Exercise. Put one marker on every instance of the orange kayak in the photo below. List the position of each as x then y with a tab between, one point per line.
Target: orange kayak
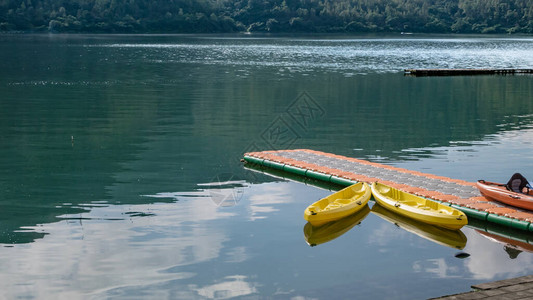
498	192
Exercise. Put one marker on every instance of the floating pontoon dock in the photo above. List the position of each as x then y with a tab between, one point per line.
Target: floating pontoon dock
458	72
345	171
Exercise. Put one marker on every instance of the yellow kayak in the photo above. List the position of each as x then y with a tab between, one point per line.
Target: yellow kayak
418	208
338	205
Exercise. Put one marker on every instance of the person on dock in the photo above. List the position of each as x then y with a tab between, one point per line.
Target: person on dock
518	183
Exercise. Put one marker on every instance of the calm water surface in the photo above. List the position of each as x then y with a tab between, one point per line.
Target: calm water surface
120	173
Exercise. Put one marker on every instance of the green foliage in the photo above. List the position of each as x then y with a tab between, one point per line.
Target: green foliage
207	16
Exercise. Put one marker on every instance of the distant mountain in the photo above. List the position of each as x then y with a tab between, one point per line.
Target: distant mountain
210	16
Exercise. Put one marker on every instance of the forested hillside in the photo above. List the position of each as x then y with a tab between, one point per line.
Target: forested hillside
207	16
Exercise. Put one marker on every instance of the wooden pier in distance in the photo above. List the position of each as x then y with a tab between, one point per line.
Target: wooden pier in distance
459	72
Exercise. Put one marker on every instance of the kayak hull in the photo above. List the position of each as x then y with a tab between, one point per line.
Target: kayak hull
498	192
418	208
338	205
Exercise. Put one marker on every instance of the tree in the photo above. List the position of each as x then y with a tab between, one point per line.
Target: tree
458	16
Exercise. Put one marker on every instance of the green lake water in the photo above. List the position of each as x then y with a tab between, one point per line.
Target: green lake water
120	174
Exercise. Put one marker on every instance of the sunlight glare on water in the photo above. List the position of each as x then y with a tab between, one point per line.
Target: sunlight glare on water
346	55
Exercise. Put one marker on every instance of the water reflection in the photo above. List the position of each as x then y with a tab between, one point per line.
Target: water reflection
450	238
511	246
490	261
316	235
438	267
229	287
514	241
225	190
262	204
90	254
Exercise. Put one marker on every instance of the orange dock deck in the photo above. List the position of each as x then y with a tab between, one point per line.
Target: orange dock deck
344	170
